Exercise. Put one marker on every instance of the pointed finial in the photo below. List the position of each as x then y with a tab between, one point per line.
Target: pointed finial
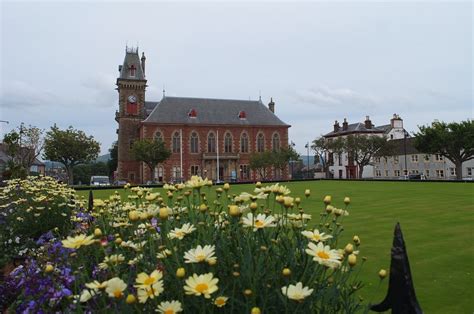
259	95
163	90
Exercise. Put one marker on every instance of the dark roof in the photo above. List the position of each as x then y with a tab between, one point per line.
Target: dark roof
132	58
175	110
357	128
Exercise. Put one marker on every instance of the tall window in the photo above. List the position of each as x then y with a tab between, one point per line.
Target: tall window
194	143
244	172
228	143
276	142
260	143
211	143
132	70
194	170
244	143
159	136
176	142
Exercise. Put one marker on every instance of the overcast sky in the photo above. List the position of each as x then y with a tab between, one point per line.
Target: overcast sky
319	61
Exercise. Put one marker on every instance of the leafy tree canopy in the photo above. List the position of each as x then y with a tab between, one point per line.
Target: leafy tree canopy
70	147
151	152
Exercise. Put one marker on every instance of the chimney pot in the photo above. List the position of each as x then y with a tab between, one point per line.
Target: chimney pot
271	105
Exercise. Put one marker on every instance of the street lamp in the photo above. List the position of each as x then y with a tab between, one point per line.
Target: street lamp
307	169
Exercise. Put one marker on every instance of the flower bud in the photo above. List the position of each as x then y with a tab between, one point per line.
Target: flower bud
347	200
163	213
203	208
287	201
356	240
118	241
219	190
97	232
247	292
286	272
349	248
226	187
327	199
255	310
133	215
131	299
49	268
234	210
307	192
212	262
329	209
180	272
297	201
382	273
258	184
235	274
352	260
253	206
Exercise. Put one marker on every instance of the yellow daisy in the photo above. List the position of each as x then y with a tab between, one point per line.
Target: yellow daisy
167	307
146	281
220	301
316	236
78	241
258	222
201	254
324	255
179	233
201	285
115	287
297	293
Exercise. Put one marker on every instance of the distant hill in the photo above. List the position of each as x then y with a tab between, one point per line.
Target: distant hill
103	158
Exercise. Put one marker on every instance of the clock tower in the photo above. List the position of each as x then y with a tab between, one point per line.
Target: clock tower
131	85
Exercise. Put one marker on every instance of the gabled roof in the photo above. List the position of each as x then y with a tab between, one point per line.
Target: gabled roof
175	110
132	59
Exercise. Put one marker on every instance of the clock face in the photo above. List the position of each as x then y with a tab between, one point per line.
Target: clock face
132	99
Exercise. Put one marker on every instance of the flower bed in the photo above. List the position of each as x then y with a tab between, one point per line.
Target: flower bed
179	251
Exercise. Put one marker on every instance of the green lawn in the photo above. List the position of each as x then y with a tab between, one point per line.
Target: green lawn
437	221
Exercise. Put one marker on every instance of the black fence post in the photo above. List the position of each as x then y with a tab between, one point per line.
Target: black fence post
401	297
90	206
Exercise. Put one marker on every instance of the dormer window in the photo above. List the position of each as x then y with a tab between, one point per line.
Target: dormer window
132	70
242	115
192	113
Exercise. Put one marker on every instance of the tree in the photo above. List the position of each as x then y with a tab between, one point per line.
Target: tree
151	152
70	147
455	141
281	158
363	149
323	147
260	162
23	146
112	163
83	173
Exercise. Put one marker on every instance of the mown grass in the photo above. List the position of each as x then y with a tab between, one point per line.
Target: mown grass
437	221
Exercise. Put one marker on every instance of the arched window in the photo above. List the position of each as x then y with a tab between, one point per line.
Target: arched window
194	143
158	136
132	70
244	143
228	143
260	143
211	143
276	142
176	142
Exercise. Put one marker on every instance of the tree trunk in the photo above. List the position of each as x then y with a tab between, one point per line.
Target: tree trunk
152	173
458	165
361	171
70	176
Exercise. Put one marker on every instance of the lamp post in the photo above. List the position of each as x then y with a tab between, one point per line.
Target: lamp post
292	145
307	156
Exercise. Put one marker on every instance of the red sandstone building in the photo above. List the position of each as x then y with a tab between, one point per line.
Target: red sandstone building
206	136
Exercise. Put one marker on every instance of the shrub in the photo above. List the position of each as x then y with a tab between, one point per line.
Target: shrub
30	208
179	251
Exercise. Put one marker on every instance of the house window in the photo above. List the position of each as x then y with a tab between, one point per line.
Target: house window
438	157
469	171
397	173
377	159
386	173
414	171
427	173
194	143
159	173
244	172
132	70
131	142
176	172
194	170
452	171
228	143
242	115
339	158
260	143
440	173
378	173
414	158
192	113
276	142
427	158
211	143
395	159
159	136
405	172
244	143
176	142
131	176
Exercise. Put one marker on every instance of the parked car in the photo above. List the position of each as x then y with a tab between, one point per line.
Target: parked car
100	181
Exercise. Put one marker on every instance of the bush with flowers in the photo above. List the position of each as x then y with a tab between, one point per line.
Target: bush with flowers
30	208
180	252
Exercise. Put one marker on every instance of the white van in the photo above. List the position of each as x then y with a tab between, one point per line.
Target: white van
100	180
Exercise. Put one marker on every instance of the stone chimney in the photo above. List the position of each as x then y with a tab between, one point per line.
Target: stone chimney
396	121
143	62
345	125
271	105
368	123
336	126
